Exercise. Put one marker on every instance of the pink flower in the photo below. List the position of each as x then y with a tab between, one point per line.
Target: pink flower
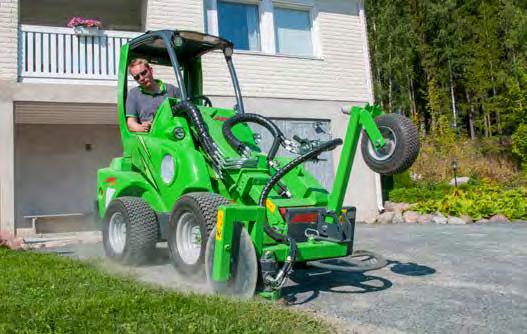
80	21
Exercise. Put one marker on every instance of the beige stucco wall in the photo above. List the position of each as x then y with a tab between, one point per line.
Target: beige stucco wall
339	74
7	221
8	39
170	14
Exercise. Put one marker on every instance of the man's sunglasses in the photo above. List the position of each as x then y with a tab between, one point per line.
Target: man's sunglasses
141	74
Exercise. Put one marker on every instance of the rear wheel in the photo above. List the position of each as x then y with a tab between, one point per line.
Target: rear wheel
401	145
130	230
192	220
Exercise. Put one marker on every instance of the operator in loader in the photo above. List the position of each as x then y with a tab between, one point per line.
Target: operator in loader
142	101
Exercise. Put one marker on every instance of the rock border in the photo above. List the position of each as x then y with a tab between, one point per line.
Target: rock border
402	213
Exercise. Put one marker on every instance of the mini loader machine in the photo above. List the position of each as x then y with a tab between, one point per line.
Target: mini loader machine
230	213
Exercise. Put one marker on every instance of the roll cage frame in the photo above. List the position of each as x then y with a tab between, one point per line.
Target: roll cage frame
182	50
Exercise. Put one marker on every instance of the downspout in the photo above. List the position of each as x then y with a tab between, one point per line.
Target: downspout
369	86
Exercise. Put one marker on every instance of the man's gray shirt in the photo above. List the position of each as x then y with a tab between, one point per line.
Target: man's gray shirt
143	105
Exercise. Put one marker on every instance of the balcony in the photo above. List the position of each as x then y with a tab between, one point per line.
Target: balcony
54	54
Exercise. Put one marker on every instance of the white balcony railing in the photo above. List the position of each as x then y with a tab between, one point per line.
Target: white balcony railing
58	53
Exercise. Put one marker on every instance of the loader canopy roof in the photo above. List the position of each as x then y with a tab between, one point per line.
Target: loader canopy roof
187	45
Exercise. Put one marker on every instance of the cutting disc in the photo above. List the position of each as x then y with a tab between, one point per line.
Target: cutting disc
244	265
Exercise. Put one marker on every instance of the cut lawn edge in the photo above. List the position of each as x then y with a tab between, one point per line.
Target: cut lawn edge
43	293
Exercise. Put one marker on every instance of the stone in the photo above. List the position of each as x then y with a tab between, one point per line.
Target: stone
398	218
394	207
460	180
499	219
467	219
438	218
410	217
385	217
482	221
452	220
425	219
8	240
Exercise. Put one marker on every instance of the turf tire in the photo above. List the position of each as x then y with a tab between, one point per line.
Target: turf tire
204	209
406	149
142	230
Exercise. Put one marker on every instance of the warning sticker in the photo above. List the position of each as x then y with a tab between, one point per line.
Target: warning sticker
270	205
219	225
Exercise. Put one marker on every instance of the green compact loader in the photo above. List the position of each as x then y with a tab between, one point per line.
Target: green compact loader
231	214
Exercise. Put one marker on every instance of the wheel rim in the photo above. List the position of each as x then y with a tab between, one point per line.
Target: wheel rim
390	143
188	238
117	233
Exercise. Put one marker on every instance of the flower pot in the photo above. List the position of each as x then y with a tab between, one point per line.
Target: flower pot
86	31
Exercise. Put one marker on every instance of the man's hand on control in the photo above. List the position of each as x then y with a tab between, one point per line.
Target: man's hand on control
135	126
146	126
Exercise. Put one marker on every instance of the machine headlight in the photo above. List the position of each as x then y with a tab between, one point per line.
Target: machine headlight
168	169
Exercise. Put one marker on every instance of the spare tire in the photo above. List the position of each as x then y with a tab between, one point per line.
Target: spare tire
401	145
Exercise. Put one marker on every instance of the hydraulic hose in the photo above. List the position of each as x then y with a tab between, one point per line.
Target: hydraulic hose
203	135
278	136
278	281
327	146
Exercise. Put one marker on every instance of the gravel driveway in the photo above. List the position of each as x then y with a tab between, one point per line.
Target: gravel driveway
441	279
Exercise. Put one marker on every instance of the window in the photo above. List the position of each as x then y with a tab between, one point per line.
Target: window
239	23
287	27
293	31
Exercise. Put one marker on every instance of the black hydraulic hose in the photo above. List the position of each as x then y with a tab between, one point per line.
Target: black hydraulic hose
327	146
278	280
203	135
252	118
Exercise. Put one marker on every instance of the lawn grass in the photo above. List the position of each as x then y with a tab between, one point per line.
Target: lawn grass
45	293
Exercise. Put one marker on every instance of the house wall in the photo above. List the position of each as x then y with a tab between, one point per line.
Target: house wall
8	39
7	216
180	14
340	74
8	75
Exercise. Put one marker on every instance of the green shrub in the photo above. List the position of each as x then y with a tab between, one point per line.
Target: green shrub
479	202
403	180
424	191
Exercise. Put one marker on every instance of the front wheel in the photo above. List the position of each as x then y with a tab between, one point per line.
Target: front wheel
192	220
401	145
130	231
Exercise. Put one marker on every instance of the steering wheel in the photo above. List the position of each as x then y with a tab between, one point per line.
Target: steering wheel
206	100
